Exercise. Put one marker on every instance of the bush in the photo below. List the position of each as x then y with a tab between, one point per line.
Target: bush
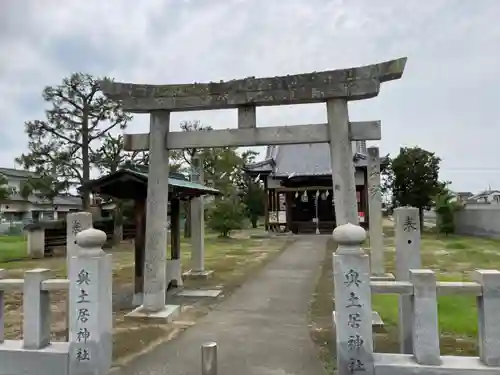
445	211
226	214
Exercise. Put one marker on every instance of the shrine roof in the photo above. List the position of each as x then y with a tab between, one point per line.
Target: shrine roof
130	184
301	160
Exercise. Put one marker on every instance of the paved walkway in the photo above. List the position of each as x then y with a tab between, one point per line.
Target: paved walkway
262	329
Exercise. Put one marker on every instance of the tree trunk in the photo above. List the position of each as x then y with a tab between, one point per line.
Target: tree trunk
421	216
254	221
118	222
187	221
85	159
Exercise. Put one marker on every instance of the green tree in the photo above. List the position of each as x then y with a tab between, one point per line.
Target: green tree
412	178
62	145
225	214
5	190
44	186
251	191
445	206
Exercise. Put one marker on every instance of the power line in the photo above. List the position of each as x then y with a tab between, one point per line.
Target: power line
470	169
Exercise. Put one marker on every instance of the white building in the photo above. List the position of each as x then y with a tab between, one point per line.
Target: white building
17	208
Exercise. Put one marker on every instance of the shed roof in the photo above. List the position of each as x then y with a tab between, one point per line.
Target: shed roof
129	184
300	160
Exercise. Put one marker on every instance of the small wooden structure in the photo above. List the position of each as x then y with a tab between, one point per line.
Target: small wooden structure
127	184
298	182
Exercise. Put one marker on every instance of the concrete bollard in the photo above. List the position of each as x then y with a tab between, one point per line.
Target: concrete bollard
209	358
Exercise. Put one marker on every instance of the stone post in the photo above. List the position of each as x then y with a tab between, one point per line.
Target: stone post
156	214
155	262
425	328
36	243
197	226
197	220
375	213
174	272
36	310
344	184
407	224
353	315
2	306
75	223
489	324
90	299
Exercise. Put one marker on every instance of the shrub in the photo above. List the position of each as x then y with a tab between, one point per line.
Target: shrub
445	211
226	214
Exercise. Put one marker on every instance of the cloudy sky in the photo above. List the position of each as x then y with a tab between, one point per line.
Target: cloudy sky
447	101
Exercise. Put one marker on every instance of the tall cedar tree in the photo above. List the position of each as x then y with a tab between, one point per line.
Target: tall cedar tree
412	178
62	145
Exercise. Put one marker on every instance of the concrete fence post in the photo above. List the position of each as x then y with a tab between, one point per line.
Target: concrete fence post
353	310
36	243
408	257
2	303
36	310
488	310
90	301
425	322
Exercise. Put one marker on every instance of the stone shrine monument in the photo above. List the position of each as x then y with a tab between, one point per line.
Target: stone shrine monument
335	87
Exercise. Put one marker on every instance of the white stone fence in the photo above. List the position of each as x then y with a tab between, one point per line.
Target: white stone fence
354	336
88	350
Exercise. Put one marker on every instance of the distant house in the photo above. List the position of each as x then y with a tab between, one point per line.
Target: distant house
462	196
487	196
17	208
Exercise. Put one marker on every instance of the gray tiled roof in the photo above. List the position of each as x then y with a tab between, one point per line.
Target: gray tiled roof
300	160
303	159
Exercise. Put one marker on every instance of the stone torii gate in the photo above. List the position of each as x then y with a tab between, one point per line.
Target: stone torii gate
335	87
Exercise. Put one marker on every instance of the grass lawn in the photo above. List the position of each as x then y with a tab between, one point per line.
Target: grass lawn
12	248
452	258
233	261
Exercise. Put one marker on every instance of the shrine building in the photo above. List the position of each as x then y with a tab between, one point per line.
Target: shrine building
298	181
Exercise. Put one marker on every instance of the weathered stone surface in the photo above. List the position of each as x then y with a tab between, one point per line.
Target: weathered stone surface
197	220
352	84
353	315
407	257
76	222
156	215
401	364
488	309
375	212
90	311
36	243
265	136
343	176
407	241
199	293
425	318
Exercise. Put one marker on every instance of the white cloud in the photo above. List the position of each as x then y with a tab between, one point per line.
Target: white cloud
445	102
